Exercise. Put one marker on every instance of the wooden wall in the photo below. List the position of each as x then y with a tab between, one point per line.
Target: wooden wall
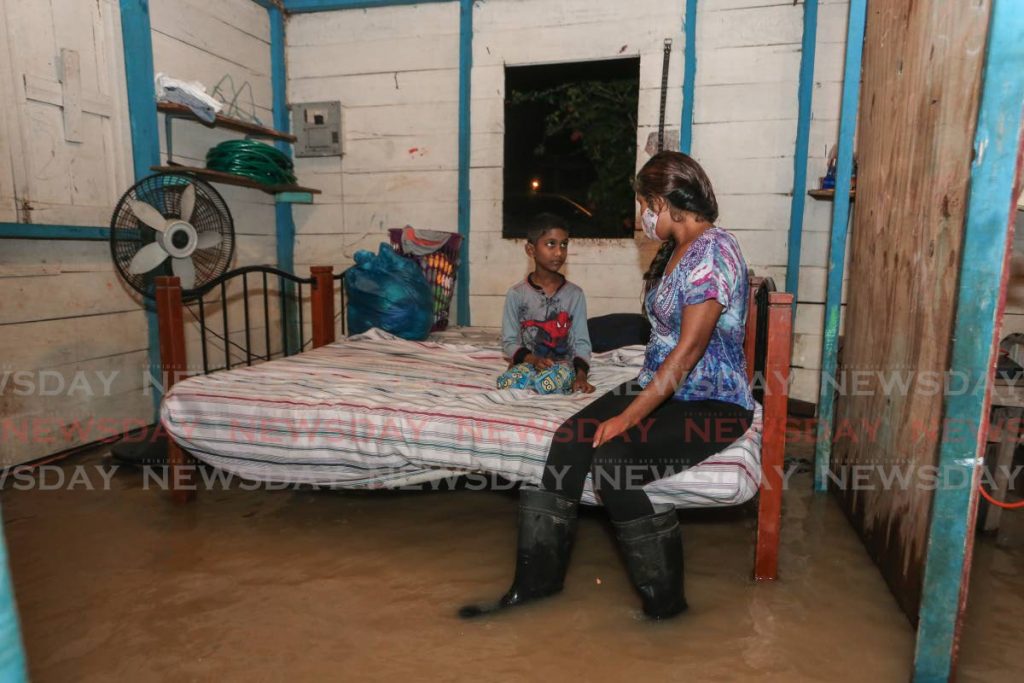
64	313
921	75
206	41
395	71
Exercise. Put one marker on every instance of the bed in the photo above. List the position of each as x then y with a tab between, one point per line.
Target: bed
376	411
373	411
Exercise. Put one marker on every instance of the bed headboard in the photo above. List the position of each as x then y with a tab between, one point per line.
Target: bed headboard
252	314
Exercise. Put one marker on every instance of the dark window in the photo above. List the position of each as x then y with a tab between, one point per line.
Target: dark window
570	145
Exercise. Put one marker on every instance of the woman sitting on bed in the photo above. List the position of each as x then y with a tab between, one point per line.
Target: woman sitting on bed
690	401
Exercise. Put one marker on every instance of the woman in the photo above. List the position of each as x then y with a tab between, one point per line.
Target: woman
691	400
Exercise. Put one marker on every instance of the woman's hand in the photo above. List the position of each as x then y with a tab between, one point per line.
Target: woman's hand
581	384
611	428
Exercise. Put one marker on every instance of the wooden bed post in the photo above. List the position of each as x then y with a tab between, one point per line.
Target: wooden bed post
773	445
173	365
322	304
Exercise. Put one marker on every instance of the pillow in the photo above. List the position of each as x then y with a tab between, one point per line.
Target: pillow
609	332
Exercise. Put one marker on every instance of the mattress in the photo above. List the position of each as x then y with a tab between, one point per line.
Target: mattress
375	411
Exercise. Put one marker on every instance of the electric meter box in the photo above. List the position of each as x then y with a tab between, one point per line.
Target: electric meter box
317	126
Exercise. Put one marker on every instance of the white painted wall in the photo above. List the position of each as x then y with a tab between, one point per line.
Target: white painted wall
64	313
395	71
207	41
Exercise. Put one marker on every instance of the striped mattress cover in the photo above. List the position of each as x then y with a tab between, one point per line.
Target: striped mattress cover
375	411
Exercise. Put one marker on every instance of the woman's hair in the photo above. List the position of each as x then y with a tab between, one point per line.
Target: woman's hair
680	181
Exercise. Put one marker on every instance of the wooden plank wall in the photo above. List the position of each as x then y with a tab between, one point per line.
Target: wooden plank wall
922	66
72	339
206	41
65	316
395	71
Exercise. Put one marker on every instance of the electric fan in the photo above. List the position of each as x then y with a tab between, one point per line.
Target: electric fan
167	224
171	224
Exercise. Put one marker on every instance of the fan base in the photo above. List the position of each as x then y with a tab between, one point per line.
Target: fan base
145	448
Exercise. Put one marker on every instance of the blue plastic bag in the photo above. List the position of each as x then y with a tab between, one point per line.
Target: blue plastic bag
388	291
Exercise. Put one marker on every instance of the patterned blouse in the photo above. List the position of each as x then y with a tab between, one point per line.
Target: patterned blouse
712	268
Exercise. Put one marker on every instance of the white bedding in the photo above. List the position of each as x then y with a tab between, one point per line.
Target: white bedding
375	411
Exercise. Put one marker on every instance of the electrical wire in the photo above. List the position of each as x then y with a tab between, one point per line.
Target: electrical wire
998	503
254	160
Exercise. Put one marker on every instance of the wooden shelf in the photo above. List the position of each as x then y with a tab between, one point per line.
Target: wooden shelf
829	195
232	179
181	111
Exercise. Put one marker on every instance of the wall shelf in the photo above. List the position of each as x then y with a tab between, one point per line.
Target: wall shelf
829	195
285	194
241	181
180	111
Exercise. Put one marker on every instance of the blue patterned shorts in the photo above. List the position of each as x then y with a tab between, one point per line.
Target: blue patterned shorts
557	379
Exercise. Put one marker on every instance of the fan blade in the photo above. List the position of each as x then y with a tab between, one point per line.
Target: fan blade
186	271
188	202
147	258
207	240
148	215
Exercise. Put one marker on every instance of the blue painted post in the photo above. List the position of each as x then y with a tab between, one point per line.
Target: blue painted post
37	231
12	653
465	104
990	210
283	218
803	131
689	76
138	68
837	247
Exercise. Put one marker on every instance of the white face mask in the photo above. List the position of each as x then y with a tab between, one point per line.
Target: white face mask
649	220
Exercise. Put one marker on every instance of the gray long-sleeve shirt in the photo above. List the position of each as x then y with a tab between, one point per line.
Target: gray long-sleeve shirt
548	326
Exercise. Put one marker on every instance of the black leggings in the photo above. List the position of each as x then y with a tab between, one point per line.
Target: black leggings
677	435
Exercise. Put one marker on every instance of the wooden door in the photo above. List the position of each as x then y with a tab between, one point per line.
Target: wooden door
921	81
67	135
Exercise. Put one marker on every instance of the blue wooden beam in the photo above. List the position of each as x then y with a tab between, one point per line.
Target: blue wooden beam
462	316
283	217
282	122
138	67
837	247
35	231
299	6
803	132
991	208
689	76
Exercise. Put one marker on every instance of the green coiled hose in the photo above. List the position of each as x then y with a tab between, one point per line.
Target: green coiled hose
254	160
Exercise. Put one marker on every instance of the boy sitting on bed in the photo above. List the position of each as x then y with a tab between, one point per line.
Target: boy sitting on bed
544	328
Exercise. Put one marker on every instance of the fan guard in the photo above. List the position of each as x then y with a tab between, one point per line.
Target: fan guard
171	224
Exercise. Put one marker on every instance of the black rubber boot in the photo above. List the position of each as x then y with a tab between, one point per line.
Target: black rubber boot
653	548
547	528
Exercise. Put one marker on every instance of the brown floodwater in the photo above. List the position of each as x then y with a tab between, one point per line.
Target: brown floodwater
340	586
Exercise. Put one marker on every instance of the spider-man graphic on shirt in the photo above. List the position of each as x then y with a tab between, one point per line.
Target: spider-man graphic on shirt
552	336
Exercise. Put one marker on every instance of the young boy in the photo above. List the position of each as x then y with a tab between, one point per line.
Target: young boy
544	327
